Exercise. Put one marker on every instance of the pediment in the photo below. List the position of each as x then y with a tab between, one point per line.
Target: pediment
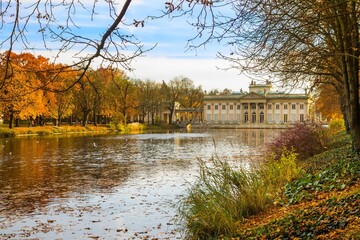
253	95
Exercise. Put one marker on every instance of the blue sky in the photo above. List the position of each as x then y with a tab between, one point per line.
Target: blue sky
172	58
168	60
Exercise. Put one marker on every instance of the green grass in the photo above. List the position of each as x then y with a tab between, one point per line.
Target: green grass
223	196
322	190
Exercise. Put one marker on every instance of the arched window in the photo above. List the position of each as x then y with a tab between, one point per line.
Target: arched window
253	117
262	119
246	117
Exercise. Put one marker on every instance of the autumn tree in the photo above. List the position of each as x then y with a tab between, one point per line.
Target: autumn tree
84	97
149	99
104	85
125	96
60	104
24	76
328	102
192	96
173	93
312	42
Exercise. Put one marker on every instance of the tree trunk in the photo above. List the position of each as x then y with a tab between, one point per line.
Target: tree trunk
11	119
17	122
152	118
85	118
95	119
58	121
355	133
171	113
354	110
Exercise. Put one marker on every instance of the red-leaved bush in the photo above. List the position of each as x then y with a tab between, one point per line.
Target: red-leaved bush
305	138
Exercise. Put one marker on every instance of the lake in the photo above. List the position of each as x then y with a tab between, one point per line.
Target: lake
108	186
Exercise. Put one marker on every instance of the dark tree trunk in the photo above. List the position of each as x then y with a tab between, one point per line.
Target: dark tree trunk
11	119
58	121
95	119
17	122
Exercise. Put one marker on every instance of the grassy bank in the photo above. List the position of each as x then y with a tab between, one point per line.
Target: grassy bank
323	203
67	129
48	130
288	196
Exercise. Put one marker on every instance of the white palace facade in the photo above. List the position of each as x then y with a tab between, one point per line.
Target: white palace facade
260	107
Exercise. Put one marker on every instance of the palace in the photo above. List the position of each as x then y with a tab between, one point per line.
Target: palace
260	107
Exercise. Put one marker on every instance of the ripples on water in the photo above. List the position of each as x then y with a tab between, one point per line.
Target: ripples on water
107	186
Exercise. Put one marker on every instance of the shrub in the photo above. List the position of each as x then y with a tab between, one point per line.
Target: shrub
278	172
337	125
6	132
306	139
136	127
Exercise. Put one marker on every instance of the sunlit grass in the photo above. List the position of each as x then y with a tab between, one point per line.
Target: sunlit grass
220	199
48	130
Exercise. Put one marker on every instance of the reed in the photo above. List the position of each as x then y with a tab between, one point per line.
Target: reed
223	196
219	200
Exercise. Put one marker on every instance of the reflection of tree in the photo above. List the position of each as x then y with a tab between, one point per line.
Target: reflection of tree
255	137
37	171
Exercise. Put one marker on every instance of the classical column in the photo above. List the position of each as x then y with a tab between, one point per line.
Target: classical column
265	112
297	111
241	113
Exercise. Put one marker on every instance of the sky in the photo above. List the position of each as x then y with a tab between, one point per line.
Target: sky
169	59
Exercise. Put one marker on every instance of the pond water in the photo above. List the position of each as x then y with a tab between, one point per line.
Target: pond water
108	186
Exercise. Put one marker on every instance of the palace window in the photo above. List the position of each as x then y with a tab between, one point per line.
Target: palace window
261	106
253	117
238	117
216	117
293	106
285	106
246	117
262	117
277	118
231	107
285	118
253	105
302	117
223	107
238	106
277	106
208	117
269	106
216	107
208	107
246	106
269	117
301	106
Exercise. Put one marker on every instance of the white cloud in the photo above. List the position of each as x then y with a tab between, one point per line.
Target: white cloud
203	72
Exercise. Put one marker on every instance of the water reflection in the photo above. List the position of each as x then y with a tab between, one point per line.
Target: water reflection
131	181
34	170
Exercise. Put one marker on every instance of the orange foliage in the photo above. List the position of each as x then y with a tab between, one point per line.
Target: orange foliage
328	102
20	92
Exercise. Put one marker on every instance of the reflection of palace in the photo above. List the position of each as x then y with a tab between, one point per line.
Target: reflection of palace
260	107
